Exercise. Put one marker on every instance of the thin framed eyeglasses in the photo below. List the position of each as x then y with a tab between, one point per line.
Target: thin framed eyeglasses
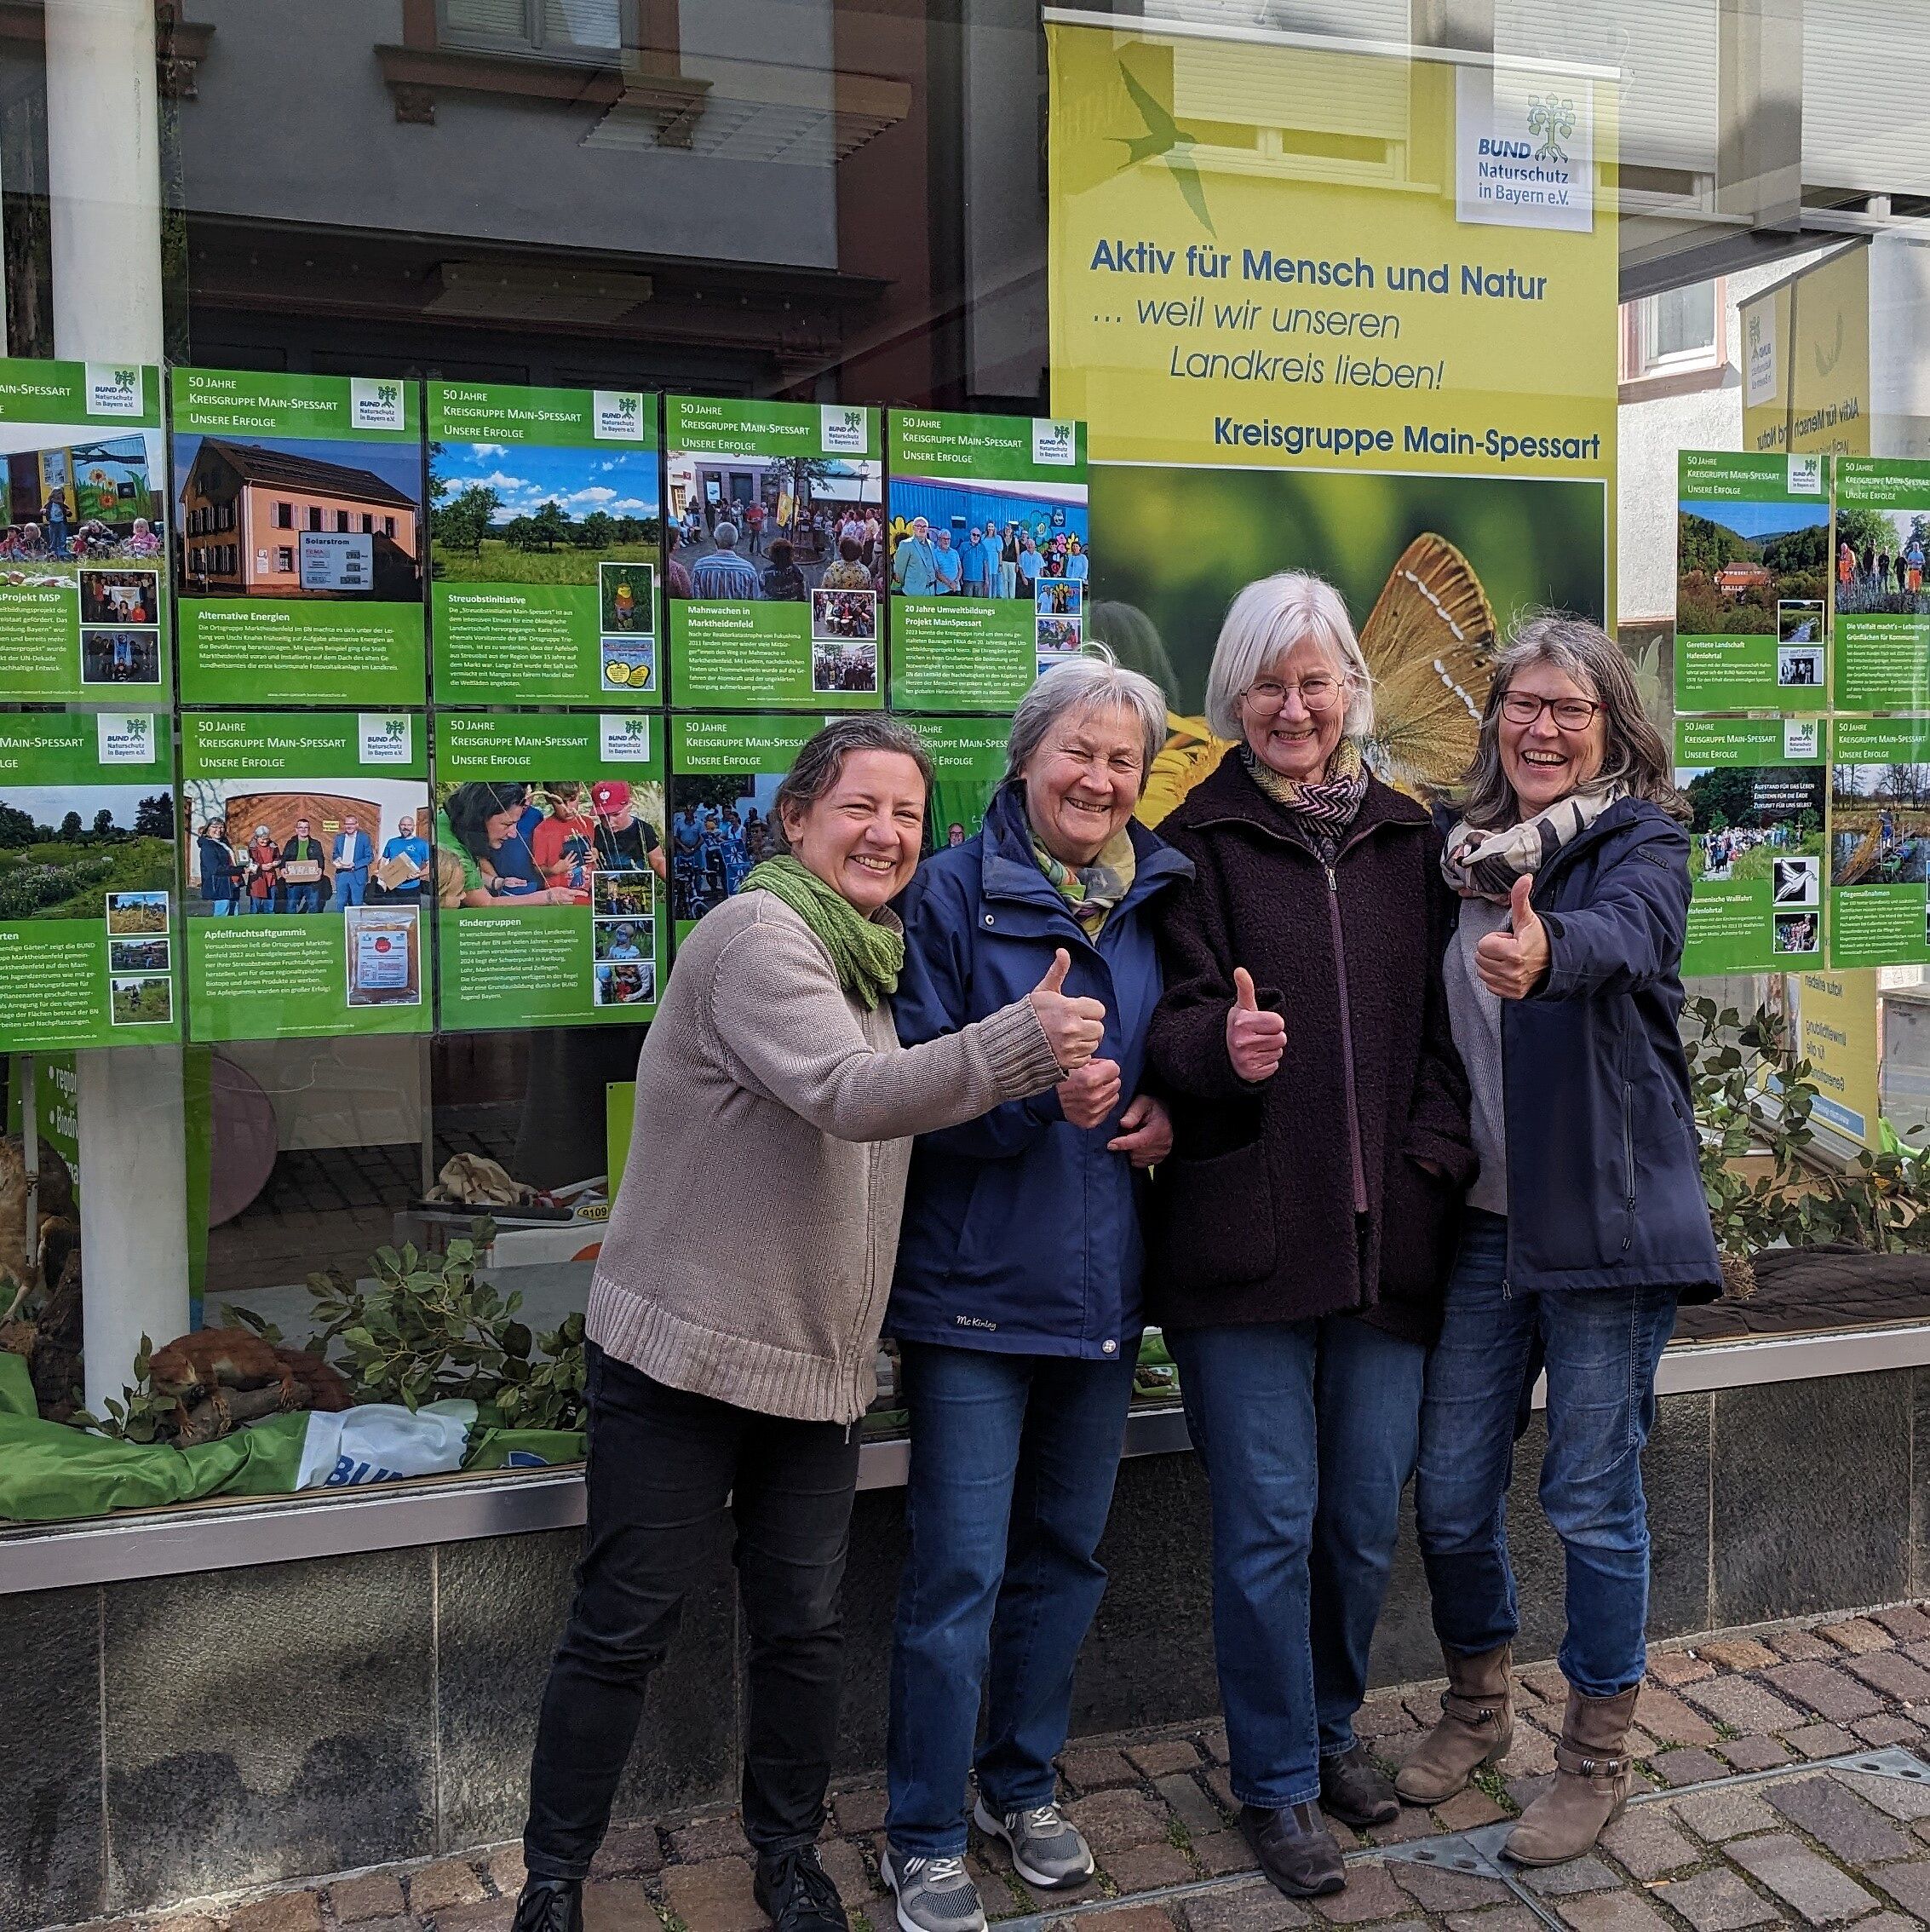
1570	714
1318	693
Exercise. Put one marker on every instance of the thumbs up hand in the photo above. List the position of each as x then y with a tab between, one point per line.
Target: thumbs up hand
1257	1041
1512	964
1073	1026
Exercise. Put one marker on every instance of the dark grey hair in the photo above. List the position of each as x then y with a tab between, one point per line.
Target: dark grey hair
1633	754
821	764
1091	683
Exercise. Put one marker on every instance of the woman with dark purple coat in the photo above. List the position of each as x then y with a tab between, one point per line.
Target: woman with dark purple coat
1304	1227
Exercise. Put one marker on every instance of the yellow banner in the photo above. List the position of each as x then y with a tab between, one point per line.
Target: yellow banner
1806	361
1270	255
1838	1026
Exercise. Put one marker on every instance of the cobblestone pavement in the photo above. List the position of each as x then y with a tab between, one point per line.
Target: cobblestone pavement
1785	1780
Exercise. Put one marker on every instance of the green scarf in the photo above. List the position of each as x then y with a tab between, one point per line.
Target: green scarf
1091	891
868	956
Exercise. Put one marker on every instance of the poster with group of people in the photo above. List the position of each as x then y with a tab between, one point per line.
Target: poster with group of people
86	873
1756	788
545	523
1879	842
83	534
776	553
1881	637
309	869
298	538
724	775
989	555
551	875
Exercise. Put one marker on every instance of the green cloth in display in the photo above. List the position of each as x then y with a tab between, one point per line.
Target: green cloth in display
50	1473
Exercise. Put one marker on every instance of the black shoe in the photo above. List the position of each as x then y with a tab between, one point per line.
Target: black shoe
795	1893
1295	1849
1354	1791
550	1905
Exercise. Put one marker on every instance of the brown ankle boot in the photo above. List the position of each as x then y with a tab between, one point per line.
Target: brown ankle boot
1477	1727
1591	1782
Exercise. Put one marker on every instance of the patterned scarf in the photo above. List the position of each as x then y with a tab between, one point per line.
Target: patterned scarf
868	956
1092	891
1322	808
1485	863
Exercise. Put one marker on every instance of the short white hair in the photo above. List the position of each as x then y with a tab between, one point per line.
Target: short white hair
1081	686
1263	624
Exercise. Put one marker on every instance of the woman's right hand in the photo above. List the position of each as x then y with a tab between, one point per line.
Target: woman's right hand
1073	1026
1257	1041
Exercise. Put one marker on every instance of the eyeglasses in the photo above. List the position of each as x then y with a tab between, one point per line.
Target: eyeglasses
1570	714
1318	693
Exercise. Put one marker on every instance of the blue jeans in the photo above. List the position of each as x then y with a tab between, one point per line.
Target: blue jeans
1307	1429
305	899
1012	1460
1602	1345
351	888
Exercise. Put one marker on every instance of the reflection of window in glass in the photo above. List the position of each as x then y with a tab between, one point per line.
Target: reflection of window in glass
1676	332
576	29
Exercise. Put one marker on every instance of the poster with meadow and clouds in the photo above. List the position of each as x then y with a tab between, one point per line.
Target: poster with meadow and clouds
545	531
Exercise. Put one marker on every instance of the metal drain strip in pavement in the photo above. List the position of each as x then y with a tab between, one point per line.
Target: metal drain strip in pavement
1477	1854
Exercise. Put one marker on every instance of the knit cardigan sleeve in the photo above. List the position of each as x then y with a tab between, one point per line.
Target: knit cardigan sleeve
776	1007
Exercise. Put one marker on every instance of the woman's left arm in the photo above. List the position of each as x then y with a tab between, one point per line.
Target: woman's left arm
1630	935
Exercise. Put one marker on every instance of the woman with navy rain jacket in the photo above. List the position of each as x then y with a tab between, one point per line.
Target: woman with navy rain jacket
1016	1300
1587	1223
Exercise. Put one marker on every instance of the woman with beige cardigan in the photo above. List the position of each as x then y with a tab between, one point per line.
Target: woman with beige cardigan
733	1331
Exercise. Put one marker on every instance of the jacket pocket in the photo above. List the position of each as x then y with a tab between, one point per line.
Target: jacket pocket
1213	1220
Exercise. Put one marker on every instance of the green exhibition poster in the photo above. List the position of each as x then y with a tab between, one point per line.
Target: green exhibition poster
766	613
723	776
551	868
968	757
1879	842
989	555
83	553
1881	650
87	881
309	873
298	539
1756	787
545	537
1752	581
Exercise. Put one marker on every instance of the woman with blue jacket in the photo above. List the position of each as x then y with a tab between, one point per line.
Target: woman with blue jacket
1016	1301
1587	1223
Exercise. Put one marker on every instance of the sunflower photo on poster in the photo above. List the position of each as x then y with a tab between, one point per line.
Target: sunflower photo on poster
1432	568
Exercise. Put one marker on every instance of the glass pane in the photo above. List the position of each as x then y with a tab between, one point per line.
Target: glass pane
1682	321
583	23
487	20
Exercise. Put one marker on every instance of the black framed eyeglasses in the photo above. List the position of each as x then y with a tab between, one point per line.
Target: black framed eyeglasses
1570	714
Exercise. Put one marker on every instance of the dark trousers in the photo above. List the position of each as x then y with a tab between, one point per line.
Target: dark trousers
664	1467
